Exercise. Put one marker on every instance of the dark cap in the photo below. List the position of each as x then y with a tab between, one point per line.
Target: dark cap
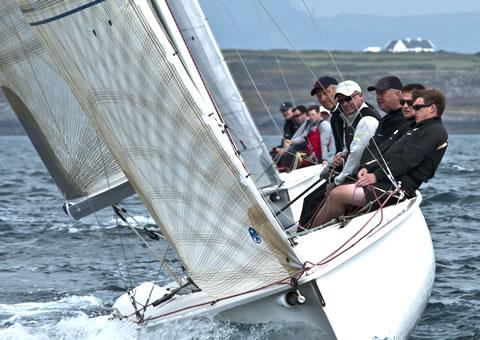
386	83
323	83
284	107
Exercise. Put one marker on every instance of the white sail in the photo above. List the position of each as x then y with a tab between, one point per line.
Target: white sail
214	71
81	165
166	136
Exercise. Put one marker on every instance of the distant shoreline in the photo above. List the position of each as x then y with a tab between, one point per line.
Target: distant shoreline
458	125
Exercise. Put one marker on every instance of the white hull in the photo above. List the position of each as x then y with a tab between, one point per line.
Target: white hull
379	287
376	284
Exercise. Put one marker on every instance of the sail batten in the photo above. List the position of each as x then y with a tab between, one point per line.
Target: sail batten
165	135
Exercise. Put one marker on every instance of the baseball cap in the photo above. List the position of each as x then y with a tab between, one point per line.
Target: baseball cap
323	83
386	83
284	107
347	88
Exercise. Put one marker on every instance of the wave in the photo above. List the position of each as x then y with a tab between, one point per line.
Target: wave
85	317
462	169
83	327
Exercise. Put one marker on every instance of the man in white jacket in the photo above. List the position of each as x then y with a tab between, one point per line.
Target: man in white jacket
359	125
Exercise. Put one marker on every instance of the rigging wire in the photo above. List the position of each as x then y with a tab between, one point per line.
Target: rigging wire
252	81
300	55
121	212
307	266
387	170
295	50
259	65
322	39
277	61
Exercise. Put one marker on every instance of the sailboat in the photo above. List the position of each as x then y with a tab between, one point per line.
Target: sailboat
129	68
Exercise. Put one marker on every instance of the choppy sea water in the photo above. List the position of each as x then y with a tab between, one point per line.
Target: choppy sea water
59	277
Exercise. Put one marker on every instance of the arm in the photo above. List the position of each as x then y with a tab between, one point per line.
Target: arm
301	133
326	139
411	152
364	131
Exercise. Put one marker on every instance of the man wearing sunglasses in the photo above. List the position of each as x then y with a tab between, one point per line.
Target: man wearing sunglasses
374	150
411	161
406	100
359	124
408	112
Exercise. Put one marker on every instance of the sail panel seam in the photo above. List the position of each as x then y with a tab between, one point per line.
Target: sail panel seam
67	13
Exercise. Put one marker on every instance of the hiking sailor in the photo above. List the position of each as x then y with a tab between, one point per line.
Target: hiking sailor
412	160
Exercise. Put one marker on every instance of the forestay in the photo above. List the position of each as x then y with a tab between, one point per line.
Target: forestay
168	140
79	162
211	65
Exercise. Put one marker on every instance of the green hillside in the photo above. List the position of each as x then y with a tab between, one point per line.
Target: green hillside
457	75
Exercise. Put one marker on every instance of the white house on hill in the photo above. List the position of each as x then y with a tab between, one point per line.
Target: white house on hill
409	45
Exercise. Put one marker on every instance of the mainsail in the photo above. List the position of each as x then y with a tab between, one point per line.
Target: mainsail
79	162
167	137
214	71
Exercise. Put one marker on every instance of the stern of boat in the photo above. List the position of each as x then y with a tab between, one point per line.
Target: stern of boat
380	285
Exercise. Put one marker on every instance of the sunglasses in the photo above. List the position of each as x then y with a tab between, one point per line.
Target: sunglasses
409	102
347	98
420	106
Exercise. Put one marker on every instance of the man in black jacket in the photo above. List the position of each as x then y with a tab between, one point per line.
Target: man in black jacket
388	90
324	89
406	101
410	161
289	129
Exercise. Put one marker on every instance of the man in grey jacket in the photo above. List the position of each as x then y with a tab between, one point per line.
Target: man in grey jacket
306	139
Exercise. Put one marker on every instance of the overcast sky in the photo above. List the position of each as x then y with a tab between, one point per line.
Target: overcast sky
321	8
252	24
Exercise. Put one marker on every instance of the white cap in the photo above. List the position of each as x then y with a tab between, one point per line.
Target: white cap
322	109
347	88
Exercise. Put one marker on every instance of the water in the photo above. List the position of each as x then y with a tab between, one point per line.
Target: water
59	278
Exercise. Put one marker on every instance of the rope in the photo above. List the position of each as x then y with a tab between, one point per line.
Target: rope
162	262
307	266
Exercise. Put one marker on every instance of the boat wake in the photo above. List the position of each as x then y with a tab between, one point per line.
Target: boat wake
71	318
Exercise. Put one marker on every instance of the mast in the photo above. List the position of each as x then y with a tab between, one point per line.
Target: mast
215	73
165	134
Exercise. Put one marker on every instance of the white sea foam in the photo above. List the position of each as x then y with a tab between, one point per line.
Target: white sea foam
29	309
461	168
80	326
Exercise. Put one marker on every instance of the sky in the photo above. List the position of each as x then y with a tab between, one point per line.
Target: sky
450	25
321	8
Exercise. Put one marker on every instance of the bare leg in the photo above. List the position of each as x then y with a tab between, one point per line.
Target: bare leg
337	202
